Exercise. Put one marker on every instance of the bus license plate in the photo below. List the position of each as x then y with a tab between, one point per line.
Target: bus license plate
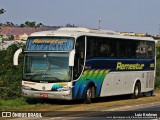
44	95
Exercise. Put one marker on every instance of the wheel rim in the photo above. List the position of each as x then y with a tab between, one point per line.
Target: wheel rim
89	94
136	91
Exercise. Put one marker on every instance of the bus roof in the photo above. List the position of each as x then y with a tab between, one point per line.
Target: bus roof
80	31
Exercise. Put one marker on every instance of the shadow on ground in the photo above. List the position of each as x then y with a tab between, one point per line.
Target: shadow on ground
74	102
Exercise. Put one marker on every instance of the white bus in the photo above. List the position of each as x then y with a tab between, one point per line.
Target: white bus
82	63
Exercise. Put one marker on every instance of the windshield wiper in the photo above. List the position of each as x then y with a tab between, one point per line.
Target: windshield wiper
37	74
55	79
34	74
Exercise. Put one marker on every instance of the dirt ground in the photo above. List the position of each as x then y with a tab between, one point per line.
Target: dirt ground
114	103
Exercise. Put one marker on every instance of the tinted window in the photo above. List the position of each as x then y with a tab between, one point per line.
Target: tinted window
119	48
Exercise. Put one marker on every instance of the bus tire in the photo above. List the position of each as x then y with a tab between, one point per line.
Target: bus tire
144	94
90	93
137	91
32	100
151	92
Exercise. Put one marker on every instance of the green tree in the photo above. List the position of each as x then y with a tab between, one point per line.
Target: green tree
39	25
30	24
27	23
9	24
2	11
22	25
10	75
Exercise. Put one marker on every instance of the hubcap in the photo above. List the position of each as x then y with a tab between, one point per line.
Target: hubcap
89	93
136	91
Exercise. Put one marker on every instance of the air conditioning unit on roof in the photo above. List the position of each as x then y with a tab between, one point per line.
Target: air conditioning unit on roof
88	30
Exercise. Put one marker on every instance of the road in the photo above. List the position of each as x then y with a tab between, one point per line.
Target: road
153	108
133	112
99	108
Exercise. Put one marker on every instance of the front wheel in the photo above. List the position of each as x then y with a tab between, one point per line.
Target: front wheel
137	91
89	95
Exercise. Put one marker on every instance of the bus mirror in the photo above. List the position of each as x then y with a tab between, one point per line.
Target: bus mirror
16	55
71	58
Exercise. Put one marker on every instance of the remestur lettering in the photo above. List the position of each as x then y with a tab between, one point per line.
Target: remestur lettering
37	41
121	66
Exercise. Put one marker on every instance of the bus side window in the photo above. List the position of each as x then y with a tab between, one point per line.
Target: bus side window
104	50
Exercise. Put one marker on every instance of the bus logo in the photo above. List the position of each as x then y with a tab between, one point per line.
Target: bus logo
43	88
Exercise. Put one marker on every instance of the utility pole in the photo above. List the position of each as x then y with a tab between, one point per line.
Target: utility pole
159	29
99	24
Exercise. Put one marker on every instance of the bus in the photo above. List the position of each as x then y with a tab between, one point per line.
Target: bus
82	63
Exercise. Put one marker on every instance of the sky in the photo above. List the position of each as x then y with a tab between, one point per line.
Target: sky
140	16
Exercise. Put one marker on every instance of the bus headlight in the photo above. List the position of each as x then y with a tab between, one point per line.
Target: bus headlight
26	87
64	89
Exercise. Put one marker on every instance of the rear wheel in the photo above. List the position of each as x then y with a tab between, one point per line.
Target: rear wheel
150	93
137	91
90	93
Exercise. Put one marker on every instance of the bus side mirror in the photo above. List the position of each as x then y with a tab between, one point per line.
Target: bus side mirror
16	55
71	58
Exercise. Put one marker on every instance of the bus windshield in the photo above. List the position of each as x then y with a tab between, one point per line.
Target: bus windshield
51	67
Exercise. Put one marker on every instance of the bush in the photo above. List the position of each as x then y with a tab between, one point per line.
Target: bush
10	75
157	84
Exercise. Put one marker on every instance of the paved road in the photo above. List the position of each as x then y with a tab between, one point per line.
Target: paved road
141	113
154	108
102	108
125	112
133	112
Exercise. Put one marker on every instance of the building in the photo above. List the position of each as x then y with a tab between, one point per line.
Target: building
23	37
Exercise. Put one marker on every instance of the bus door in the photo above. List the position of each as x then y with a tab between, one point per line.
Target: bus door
79	57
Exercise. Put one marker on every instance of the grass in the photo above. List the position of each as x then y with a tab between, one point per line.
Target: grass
18	104
157	90
21	104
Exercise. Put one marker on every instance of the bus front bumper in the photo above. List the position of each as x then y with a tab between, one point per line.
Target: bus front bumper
63	95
